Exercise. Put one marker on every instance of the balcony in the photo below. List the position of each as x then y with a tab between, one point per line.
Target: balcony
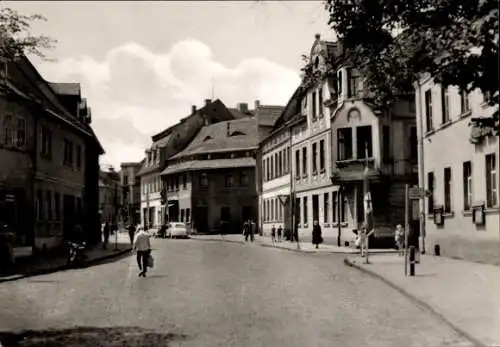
353	170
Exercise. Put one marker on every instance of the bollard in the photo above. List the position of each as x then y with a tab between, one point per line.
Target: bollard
437	250
412	260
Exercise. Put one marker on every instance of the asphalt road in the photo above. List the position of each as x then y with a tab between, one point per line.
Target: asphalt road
204	293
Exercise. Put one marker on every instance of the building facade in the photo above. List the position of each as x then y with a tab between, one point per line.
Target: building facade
460	171
211	184
165	145
50	154
110	196
131	192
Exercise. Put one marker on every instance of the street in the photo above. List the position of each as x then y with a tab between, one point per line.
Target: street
204	293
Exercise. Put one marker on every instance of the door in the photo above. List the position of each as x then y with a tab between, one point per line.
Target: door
200	219
68	215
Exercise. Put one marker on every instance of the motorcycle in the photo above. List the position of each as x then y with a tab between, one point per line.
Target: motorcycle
76	253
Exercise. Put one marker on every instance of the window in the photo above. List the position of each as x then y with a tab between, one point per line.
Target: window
268	170
430	188
297	163
229	182
305	209
184	180
8	139
68	153
78	156
491	181
313	158
445	105
322	156
447	190
177	183
203	180
326	207
57	206
39	205
413	143
314	105
243	178
364	141
48	197
297	211
272	210
46	142
467	182
304	161
280	164
428	110
125	180
343	207
464	102
276	209
386	142
225	214
352	83
320	102
288	160
344	146
182	215
272	167
339	83
21	132
276	165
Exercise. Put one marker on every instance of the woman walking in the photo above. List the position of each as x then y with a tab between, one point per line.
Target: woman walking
316	234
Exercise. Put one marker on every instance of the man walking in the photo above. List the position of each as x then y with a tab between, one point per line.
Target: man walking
280	232
131	232
273	234
142	246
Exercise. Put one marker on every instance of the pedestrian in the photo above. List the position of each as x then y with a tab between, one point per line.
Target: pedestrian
246	230
280	232
142	247
273	234
316	234
399	238
105	234
252	230
131	232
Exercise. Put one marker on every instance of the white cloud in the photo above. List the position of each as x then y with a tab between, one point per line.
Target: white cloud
135	93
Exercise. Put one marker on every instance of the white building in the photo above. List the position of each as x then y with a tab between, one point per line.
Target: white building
460	168
152	211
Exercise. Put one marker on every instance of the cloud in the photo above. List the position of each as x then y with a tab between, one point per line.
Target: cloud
135	93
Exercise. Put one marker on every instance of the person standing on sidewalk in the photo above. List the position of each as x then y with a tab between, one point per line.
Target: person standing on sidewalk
273	234
142	246
399	237
316	234
131	232
105	234
280	232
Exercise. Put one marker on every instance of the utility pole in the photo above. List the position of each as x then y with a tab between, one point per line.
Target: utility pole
116	212
421	172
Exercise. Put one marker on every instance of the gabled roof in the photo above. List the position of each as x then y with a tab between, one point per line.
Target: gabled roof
291	109
267	114
238	114
238	134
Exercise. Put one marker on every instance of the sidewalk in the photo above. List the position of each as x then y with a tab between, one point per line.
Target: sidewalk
37	266
464	294
305	246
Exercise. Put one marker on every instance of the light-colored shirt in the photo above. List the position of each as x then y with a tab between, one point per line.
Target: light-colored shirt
141	241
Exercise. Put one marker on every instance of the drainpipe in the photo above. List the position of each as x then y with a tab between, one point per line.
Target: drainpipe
421	172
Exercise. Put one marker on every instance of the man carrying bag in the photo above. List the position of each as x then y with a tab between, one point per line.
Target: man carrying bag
142	246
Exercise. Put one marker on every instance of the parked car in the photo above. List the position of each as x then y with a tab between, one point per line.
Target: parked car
177	230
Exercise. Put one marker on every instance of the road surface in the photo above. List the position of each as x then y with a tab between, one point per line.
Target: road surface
203	293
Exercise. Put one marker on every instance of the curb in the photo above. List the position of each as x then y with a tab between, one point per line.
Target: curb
416	300
63	267
304	250
217	240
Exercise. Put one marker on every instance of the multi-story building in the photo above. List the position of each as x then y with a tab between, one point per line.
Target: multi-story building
131	192
459	168
49	156
166	144
383	139
212	182
110	196
275	155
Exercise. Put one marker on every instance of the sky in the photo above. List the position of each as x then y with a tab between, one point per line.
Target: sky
143	64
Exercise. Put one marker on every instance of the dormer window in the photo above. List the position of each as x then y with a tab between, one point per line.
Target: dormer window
316	62
208	137
236	133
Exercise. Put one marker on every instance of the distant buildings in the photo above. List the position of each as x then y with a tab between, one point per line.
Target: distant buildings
460	169
50	158
131	192
110	196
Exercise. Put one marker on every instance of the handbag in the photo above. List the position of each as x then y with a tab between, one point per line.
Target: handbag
151	261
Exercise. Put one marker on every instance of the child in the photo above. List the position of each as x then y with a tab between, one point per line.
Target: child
399	238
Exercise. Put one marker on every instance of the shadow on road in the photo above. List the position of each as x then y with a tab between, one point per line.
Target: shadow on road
90	336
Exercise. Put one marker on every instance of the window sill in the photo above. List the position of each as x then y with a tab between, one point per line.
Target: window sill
465	114
445	125
467	213
326	225
305	177
450	214
430	132
492	210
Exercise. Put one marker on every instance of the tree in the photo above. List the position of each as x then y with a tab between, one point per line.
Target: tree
394	41
15	38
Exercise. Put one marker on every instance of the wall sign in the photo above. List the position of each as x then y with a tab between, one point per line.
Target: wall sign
438	215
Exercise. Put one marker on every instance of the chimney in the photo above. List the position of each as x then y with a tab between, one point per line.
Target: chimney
242	107
228	129
317	36
207	101
257	104
193	109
